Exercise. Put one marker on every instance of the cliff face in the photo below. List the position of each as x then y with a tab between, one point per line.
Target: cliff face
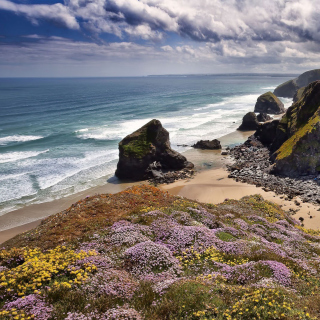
289	88
145	146
297	143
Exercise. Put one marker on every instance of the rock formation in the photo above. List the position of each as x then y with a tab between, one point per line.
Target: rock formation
298	136
146	149
289	88
269	103
263	117
294	141
249	122
207	144
266	132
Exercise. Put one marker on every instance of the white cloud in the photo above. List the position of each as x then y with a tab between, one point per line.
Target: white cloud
56	12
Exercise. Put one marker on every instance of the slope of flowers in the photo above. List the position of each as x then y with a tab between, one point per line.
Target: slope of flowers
166	258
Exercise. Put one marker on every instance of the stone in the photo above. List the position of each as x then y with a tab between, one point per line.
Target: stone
263	117
207	144
225	152
290	88
249	122
269	103
145	151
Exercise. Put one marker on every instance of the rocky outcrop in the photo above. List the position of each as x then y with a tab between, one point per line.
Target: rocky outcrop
289	88
269	103
263	117
207	144
266	132
298	136
298	95
146	150
249	122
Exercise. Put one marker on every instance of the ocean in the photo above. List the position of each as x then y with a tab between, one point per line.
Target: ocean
60	136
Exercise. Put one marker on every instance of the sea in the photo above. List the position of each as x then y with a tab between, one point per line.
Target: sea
60	136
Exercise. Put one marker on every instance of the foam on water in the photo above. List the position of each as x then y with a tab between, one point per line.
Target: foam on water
19	155
17	138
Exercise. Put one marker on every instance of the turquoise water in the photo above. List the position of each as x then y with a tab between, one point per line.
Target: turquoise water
60	136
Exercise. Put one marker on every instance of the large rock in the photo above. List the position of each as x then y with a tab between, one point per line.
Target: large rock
298	136
148	145
263	117
207	144
269	103
266	132
249	122
289	88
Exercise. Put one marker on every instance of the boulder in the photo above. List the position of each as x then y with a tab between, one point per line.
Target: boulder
266	132
299	154
207	144
289	88
249	122
263	117
145	151
269	103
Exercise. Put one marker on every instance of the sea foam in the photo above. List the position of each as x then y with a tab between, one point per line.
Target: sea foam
17	138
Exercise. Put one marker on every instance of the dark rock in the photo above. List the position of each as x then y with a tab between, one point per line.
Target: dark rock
263	117
298	94
249	122
266	132
289	88
269	103
299	154
225	152
145	146
207	144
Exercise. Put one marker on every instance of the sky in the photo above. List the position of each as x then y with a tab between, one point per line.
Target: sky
97	38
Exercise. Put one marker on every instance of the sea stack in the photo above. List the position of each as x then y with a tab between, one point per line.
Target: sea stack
146	148
269	103
249	122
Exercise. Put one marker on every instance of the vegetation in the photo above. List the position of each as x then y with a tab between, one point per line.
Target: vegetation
145	254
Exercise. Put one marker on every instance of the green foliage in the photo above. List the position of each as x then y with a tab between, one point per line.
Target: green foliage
185	299
224	236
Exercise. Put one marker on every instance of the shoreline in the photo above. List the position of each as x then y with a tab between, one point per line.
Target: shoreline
210	184
28	217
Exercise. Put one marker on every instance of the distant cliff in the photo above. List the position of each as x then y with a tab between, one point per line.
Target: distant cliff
290	88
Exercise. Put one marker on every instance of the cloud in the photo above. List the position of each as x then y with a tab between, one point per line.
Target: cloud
57	13
199	20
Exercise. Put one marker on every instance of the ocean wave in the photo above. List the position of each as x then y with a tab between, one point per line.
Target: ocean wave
268	88
18	138
19	155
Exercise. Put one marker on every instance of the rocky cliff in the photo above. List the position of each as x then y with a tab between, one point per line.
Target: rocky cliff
145	146
289	88
295	140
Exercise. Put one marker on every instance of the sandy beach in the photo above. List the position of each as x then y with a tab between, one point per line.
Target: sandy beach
210	184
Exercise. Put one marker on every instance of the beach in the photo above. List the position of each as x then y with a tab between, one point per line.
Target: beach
210	185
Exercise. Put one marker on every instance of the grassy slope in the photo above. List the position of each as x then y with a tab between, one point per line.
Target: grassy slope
144	254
